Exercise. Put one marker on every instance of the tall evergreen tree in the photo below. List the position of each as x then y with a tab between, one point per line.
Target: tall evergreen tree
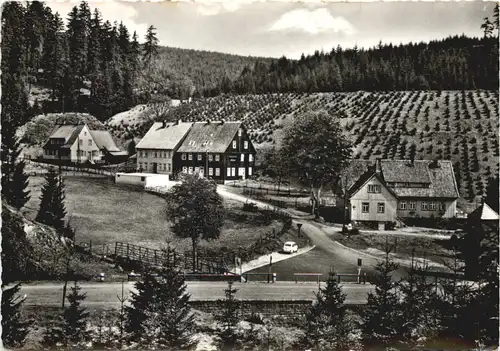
54	54
150	49
70	328
94	53
13	43
15	328
52	210
382	318
135	54
229	316
327	322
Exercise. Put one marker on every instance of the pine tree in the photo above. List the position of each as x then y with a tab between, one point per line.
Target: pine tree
229	316
327	323
135	54
70	328
382	319
14	328
150	50
52	210
137	312
94	54
13	42
419	313
14	179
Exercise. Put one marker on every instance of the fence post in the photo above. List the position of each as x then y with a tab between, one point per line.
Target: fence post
116	248
128	251
90	247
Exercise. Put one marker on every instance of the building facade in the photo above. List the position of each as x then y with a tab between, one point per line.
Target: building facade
218	150
155	152
399	189
73	143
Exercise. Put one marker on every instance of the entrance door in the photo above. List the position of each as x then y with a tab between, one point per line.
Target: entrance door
155	167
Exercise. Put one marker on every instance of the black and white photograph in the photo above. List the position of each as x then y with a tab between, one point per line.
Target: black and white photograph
259	175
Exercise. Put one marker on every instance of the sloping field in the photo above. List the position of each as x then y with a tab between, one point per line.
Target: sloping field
457	125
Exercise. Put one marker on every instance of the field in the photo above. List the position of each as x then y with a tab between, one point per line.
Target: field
458	125
104	212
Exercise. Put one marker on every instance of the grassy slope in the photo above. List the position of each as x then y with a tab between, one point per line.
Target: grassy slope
461	126
105	212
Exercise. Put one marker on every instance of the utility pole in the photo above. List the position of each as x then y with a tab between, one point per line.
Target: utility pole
344	186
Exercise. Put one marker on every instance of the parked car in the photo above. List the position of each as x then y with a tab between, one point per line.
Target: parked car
290	247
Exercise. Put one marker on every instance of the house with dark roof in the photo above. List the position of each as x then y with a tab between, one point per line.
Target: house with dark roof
77	143
397	189
155	152
219	150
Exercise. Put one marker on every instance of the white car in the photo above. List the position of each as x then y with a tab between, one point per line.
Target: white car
290	247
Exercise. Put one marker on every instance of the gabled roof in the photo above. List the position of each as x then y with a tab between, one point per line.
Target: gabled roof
165	138
355	170
104	140
212	136
441	177
365	177
484	213
437	174
404	171
68	132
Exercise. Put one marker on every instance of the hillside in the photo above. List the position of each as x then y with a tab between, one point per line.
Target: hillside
457	125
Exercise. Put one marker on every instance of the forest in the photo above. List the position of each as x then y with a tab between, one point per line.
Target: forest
88	64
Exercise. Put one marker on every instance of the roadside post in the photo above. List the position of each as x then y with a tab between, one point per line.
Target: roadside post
360	262
299	225
270	267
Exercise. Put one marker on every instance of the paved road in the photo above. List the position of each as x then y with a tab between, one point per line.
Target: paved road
105	294
343	258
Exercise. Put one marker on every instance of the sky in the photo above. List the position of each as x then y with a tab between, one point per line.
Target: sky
289	27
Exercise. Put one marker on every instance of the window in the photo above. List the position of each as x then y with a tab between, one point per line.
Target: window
413	205
145	165
233	171
249	171
234	144
183	157
402	205
242	159
250	158
197	170
425	206
199	157
241	171
81	141
217	172
228	171
442	206
184	169
169	167
365	207
143	179
433	206
190	170
210	171
210	158
240	132
190	157
374	188
217	157
381	207
84	133
245	144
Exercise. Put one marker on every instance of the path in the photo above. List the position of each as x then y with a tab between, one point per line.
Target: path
343	258
105	294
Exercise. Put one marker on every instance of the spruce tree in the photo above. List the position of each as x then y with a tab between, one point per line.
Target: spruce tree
52	210
419	305
14	328
382	319
70	328
229	316
327	322
150	49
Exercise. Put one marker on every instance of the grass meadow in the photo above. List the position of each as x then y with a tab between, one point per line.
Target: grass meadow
104	212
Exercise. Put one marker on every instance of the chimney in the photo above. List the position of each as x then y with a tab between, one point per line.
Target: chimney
208	121
179	121
164	123
378	167
223	121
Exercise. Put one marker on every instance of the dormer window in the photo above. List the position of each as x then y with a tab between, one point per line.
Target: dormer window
190	157
199	157
183	157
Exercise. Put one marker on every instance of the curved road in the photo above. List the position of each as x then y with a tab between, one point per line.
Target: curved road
342	258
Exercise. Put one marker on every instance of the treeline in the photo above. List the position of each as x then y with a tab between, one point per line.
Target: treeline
89	65
454	63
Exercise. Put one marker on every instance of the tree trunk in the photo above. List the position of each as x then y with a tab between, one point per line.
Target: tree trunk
194	254
316	200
